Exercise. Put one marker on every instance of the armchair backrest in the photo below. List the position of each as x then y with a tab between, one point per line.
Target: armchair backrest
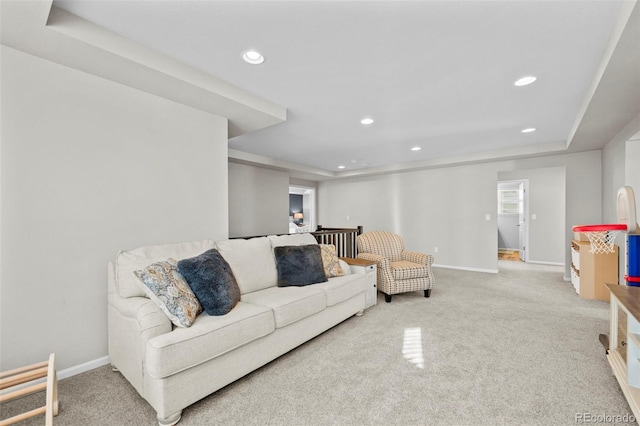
382	243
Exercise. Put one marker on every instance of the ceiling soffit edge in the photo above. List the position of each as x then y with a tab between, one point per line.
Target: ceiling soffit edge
629	12
305	172
295	170
43	30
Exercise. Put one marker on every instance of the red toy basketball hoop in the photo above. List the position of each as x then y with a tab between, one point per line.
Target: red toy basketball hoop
601	237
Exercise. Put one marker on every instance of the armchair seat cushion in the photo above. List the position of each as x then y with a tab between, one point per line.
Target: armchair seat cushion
405	270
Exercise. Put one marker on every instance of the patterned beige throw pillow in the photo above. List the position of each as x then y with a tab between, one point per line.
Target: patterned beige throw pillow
330	261
163	284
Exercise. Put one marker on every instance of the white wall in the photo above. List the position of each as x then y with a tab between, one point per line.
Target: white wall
613	178
547	202
90	167
442	208
447	207
620	167
258	201
632	167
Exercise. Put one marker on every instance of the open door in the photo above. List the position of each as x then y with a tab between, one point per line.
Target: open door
306	221
513	226
522	223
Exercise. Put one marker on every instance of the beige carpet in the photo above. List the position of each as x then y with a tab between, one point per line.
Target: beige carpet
518	347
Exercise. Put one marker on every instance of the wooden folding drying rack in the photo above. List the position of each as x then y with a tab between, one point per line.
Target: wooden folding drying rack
27	374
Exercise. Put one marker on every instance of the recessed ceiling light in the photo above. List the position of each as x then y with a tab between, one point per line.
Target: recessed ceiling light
253	57
416	148
366	121
528	130
525	80
341	166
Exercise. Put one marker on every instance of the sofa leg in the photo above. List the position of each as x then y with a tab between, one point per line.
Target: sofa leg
427	293
387	298
114	368
360	313
170	420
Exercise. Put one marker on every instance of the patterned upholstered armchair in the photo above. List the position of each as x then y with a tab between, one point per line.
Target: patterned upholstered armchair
399	271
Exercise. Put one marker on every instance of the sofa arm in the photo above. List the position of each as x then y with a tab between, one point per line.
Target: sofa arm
148	317
419	258
132	323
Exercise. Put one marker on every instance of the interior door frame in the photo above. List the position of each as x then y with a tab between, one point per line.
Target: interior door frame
525	216
308	201
523	222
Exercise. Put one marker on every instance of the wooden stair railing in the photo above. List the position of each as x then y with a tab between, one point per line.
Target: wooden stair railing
345	239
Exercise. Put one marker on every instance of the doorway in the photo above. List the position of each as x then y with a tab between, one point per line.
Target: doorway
302	209
513	228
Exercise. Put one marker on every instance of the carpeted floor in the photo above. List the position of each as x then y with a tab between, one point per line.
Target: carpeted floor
518	347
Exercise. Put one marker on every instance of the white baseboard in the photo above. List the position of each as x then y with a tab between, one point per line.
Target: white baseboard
494	271
464	268
77	369
542	262
63	374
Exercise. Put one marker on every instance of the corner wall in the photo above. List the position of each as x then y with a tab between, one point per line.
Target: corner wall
90	167
258	201
621	167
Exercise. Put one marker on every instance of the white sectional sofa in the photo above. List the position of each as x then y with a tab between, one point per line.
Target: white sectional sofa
173	367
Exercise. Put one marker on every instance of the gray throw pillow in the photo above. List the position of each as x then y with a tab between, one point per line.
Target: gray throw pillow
212	281
299	265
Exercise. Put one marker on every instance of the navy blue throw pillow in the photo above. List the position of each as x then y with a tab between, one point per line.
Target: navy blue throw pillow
299	265
212	281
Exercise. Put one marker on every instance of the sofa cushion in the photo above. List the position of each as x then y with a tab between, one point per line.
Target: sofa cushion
251	261
404	270
212	281
299	265
168	289
127	284
289	304
339	289
207	338
301	239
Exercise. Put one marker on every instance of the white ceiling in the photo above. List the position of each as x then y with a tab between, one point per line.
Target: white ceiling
434	74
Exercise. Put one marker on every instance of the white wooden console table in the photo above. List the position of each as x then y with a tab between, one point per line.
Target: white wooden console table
368	267
624	342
